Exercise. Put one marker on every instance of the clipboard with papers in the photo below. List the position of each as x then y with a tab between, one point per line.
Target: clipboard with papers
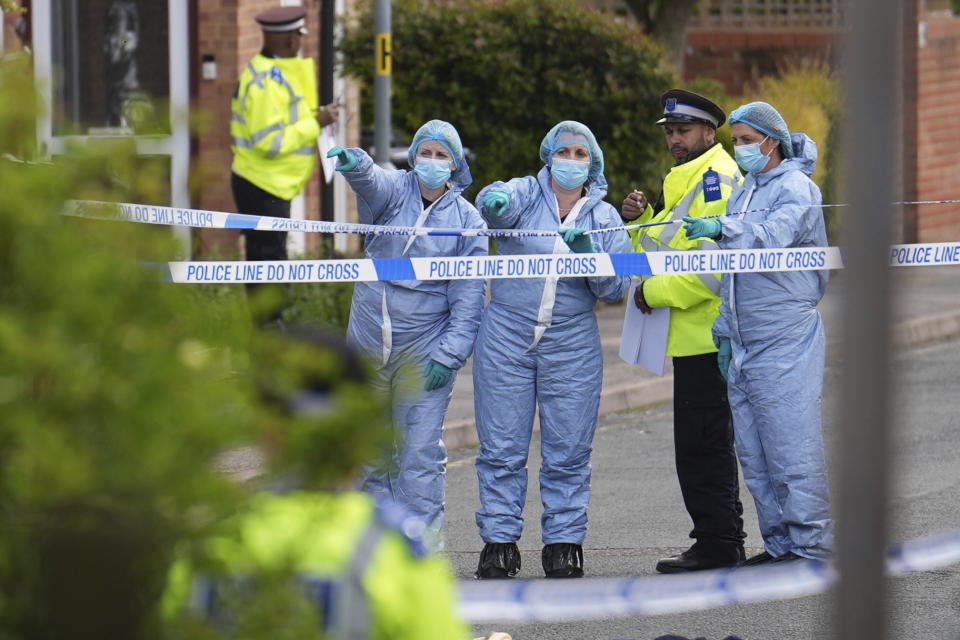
644	338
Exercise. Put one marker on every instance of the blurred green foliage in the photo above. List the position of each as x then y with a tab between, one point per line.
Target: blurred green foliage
316	304
320	303
504	72
119	392
319	447
116	394
343	427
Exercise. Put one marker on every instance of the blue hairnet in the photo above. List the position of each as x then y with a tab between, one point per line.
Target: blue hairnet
765	119
442	132
571	132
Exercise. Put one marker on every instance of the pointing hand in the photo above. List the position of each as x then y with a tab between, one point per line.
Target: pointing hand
346	161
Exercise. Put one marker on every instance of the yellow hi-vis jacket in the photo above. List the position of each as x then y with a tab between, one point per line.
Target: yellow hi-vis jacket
700	187
274	127
359	571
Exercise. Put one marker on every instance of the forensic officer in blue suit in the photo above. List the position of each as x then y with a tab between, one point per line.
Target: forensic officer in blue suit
539	347
770	335
419	333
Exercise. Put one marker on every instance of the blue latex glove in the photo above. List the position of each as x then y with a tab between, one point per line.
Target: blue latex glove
701	228
577	240
346	161
496	202
724	355
437	375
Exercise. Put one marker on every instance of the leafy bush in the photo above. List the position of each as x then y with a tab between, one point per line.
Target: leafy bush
505	72
115	393
319	304
315	304
118	392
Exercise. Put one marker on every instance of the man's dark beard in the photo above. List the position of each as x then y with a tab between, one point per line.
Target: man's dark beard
693	155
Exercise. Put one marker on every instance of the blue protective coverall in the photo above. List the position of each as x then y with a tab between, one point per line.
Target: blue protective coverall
561	374
778	344
402	325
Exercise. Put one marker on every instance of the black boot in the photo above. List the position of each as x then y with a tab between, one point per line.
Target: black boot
697	558
562	560
498	560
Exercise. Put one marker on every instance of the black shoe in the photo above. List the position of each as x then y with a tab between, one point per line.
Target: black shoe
761	558
787	557
562	560
498	560
690	560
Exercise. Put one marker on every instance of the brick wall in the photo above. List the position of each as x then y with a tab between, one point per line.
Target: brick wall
227	30
938	136
737	58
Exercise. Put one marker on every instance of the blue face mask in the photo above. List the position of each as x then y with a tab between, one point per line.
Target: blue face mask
750	158
432	172
569	174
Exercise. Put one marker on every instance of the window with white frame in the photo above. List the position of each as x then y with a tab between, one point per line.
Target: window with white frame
110	60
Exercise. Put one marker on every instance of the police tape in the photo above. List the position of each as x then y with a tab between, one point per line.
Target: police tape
203	219
565	265
630	227
594	598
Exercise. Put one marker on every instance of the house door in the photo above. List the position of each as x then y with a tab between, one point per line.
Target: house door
117	69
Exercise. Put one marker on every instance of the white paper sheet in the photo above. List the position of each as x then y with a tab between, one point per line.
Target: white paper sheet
644	337
326	142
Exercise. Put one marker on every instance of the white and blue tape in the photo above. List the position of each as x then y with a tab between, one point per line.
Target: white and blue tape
925	255
594	598
203	219
566	265
500	266
562	265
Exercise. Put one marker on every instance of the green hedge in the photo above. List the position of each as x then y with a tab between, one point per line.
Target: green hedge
315	304
505	72
118	391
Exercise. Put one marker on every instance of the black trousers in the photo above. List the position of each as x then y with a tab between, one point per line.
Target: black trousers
262	245
705	456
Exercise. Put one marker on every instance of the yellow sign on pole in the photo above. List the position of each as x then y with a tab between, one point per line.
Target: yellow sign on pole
384	50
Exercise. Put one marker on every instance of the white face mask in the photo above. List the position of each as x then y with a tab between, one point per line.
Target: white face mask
750	157
433	172
569	174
